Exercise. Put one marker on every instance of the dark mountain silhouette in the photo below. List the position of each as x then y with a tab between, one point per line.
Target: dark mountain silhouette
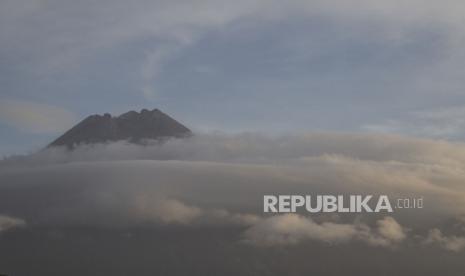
132	126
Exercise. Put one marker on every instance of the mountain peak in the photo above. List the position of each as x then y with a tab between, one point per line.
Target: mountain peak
132	126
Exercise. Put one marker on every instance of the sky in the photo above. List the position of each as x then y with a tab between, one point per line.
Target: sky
233	66
317	97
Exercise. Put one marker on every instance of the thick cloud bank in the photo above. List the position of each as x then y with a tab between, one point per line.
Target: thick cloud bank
212	173
217	181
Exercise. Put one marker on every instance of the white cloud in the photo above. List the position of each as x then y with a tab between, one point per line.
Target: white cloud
7	223
391	230
35	117
292	229
452	243
387	234
153	65
166	210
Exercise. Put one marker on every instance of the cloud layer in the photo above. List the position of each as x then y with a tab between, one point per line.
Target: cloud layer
209	189
215	178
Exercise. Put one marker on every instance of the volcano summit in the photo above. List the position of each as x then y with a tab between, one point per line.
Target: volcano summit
131	126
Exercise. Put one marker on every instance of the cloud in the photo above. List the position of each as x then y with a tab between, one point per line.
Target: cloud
167	211
307	163
452	243
216	179
105	24
34	117
388	233
201	199
390	229
318	162
437	123
153	65
292	229
8	223
332	147
30	36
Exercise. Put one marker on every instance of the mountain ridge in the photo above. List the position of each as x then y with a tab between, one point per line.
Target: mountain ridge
132	126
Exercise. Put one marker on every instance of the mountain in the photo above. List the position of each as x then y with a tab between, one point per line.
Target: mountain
132	126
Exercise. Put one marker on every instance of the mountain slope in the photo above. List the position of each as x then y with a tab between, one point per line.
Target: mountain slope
132	126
